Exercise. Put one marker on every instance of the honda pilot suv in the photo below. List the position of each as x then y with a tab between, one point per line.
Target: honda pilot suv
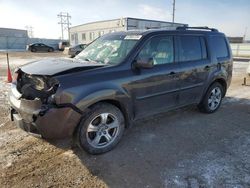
120	78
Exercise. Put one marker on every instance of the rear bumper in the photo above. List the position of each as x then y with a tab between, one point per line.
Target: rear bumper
69	51
46	120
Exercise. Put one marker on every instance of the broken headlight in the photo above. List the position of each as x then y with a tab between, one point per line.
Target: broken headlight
36	86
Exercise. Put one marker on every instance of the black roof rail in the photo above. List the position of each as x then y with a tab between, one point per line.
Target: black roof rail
182	28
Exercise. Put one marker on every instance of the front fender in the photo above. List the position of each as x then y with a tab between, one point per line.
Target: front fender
112	95
92	98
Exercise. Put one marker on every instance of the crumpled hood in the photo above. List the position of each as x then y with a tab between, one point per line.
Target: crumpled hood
57	66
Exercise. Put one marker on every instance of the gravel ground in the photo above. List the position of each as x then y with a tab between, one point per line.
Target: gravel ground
183	148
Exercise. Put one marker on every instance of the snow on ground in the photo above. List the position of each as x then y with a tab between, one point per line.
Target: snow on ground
4	88
221	168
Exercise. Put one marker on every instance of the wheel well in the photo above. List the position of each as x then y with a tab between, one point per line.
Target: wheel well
118	105
223	83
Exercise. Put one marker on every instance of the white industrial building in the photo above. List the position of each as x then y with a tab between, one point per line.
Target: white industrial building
88	32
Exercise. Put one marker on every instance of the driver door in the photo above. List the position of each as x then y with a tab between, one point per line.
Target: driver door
156	89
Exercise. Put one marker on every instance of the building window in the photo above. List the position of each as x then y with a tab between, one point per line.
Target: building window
100	33
91	35
83	36
72	37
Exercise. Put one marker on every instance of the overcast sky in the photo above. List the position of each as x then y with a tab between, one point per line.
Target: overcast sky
229	16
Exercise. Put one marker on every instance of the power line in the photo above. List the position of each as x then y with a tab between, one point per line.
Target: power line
173	11
64	22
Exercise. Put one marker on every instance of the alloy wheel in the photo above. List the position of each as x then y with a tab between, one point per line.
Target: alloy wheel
214	99
102	130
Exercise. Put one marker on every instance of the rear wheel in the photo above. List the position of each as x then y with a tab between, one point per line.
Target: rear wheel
212	99
50	50
101	130
33	49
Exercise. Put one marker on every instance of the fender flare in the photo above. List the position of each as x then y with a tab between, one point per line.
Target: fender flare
113	96
211	81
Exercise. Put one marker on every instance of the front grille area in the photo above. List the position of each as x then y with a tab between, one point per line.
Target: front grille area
36	86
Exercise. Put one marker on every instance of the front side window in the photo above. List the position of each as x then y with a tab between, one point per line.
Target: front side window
189	48
160	48
109	49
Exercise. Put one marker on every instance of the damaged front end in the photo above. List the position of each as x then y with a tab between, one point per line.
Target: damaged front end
34	109
36	86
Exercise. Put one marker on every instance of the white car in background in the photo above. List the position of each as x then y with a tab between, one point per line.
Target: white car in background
248	69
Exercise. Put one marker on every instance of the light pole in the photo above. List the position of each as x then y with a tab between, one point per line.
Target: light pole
173	11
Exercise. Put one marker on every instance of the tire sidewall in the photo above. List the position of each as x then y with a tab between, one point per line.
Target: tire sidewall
82	128
205	100
33	50
50	50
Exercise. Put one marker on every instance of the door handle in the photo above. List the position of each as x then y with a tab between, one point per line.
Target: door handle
207	68
173	75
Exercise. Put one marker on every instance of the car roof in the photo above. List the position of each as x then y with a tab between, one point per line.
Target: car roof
37	43
164	31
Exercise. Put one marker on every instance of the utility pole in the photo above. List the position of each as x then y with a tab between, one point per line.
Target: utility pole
245	33
173	11
64	22
30	31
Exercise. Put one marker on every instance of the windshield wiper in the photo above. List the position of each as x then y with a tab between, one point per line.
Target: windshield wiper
87	59
91	60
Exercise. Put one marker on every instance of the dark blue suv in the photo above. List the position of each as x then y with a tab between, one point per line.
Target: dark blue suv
119	78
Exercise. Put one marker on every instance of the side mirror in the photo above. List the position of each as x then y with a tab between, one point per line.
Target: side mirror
144	63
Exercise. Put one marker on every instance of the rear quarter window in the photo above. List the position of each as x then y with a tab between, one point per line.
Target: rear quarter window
219	46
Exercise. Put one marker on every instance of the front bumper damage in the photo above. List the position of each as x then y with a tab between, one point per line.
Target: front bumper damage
48	120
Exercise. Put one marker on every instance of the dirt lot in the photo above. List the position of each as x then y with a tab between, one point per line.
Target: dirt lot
183	148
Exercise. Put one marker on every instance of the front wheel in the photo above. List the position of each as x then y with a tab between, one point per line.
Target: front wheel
212	99
101	129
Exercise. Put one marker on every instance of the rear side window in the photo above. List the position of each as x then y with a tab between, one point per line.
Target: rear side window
190	48
219	46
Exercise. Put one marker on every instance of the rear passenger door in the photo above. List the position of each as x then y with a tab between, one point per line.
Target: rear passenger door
194	63
44	47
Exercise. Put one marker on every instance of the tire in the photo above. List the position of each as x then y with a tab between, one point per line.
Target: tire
101	129
50	50
212	99
33	50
